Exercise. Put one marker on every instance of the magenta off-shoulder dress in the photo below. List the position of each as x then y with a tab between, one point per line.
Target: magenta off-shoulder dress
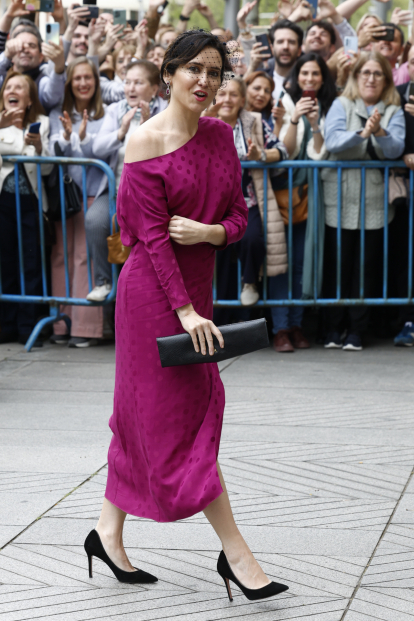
167	423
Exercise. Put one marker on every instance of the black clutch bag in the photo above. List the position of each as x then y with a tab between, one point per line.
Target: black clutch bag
239	339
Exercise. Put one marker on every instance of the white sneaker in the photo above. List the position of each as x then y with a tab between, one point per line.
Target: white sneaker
249	295
99	293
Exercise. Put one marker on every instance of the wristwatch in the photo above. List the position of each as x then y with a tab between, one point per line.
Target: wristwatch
263	156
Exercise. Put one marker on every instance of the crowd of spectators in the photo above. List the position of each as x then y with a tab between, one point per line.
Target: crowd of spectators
318	90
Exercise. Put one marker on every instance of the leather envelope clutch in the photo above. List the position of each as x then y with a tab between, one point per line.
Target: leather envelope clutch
239	339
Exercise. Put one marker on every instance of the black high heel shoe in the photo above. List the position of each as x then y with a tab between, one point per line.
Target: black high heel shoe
93	547
224	569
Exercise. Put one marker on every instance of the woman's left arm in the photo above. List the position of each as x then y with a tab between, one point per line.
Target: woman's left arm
392	140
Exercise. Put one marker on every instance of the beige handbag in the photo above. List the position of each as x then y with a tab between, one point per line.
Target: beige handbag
117	252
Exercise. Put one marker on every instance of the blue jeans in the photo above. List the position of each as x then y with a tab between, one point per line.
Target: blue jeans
285	317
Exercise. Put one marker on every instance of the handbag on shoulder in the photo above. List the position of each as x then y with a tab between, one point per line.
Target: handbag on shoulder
73	195
117	252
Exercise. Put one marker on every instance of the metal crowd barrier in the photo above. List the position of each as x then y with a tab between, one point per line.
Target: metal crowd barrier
316	299
54	301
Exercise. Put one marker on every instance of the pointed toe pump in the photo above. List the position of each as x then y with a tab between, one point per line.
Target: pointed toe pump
224	569
93	547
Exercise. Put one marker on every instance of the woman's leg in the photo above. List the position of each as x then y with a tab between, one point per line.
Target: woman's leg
109	528
97	228
251	248
238	553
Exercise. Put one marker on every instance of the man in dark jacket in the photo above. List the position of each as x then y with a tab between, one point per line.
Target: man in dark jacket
399	254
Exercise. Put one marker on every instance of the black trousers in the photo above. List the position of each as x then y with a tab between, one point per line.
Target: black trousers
350	276
251	248
398	262
14	317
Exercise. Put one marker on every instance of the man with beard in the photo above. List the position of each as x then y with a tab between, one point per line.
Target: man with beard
286	40
320	39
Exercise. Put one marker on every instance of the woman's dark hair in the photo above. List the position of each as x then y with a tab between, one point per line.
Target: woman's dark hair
152	71
327	92
262	74
286	23
187	46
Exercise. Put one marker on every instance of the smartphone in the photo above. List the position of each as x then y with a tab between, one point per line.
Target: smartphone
279	103
310	93
52	33
350	44
314	7
34	127
93	10
161	8
45	6
388	36
411	91
119	17
133	23
263	39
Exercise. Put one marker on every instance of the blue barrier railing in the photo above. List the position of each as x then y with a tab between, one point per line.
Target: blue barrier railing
55	301
316	299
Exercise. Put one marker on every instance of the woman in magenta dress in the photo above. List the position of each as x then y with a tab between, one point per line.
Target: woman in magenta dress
179	200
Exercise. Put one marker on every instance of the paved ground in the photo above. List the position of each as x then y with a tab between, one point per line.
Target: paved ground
318	453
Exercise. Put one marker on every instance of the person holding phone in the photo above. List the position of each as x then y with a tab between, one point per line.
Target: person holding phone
365	123
309	94
24	130
26	54
391	49
73	127
121	120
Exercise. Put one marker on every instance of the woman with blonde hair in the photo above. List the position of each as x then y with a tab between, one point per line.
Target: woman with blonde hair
19	108
73	130
366	123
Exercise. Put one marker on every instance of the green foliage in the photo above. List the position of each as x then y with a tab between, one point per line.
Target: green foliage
197	20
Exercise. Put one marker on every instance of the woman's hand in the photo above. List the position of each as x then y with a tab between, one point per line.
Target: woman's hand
253	152
12	117
345	63
67	125
35	141
258	55
126	122
370	34
304	105
212	110
197	326
145	111
278	112
82	126
187	232
372	126
313	115
409	160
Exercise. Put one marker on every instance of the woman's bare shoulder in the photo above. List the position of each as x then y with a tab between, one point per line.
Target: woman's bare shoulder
145	143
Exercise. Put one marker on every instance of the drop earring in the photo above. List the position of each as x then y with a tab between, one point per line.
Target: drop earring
167	92
214	101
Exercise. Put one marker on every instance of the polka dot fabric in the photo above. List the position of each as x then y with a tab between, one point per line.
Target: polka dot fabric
167	423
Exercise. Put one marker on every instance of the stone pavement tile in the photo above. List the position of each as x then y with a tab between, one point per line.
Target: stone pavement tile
8	367
400	534
21	596
382	604
405	510
183	536
71	460
64	416
8	532
18	509
340	480
49	373
145	606
317	453
284	433
39	482
47	438
105	352
104	386
96	397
